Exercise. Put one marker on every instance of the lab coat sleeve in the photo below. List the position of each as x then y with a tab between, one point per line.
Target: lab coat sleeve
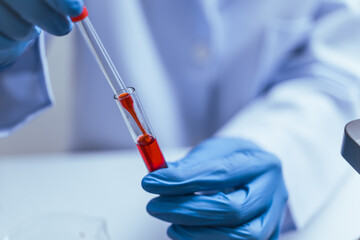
301	118
24	88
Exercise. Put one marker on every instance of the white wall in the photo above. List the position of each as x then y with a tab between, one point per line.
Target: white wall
44	134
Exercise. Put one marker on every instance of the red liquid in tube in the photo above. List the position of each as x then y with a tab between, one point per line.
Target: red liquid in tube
151	153
146	144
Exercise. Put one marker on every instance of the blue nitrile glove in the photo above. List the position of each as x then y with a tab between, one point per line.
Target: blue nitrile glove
21	21
248	199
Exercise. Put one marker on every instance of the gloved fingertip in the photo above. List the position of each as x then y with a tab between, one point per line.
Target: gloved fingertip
67	29
62	29
177	232
150	207
75	8
172	233
156	207
148	183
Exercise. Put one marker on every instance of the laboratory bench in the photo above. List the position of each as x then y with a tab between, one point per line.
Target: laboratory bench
107	185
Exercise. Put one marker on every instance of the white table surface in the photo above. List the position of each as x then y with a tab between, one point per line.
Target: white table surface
107	185
339	219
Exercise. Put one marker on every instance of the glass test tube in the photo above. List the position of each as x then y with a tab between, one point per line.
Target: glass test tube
99	52
126	98
140	129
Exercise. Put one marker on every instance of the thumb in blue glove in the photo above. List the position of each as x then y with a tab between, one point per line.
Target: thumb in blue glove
252	210
22	20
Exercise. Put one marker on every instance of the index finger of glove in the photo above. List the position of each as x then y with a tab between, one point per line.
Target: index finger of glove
70	8
39	13
14	27
202	174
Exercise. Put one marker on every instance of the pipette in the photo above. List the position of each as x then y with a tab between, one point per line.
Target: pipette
126	98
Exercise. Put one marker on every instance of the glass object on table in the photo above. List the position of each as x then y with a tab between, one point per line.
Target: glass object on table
60	226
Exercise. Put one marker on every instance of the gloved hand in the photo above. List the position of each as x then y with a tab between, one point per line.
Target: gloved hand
22	20
248	201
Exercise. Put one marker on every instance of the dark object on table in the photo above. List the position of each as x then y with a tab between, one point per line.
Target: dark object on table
351	144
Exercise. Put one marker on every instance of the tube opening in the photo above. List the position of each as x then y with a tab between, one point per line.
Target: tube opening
124	93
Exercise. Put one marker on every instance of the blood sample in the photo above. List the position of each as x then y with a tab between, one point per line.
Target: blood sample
151	153
146	143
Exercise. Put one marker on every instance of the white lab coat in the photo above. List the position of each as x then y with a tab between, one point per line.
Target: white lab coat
284	74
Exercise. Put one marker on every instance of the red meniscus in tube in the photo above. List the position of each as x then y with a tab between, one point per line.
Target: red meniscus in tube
146	144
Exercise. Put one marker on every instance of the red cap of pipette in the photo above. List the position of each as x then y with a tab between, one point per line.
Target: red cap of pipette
83	15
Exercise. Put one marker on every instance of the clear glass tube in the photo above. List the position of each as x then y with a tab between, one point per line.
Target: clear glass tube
126	98
136	121
101	55
140	129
